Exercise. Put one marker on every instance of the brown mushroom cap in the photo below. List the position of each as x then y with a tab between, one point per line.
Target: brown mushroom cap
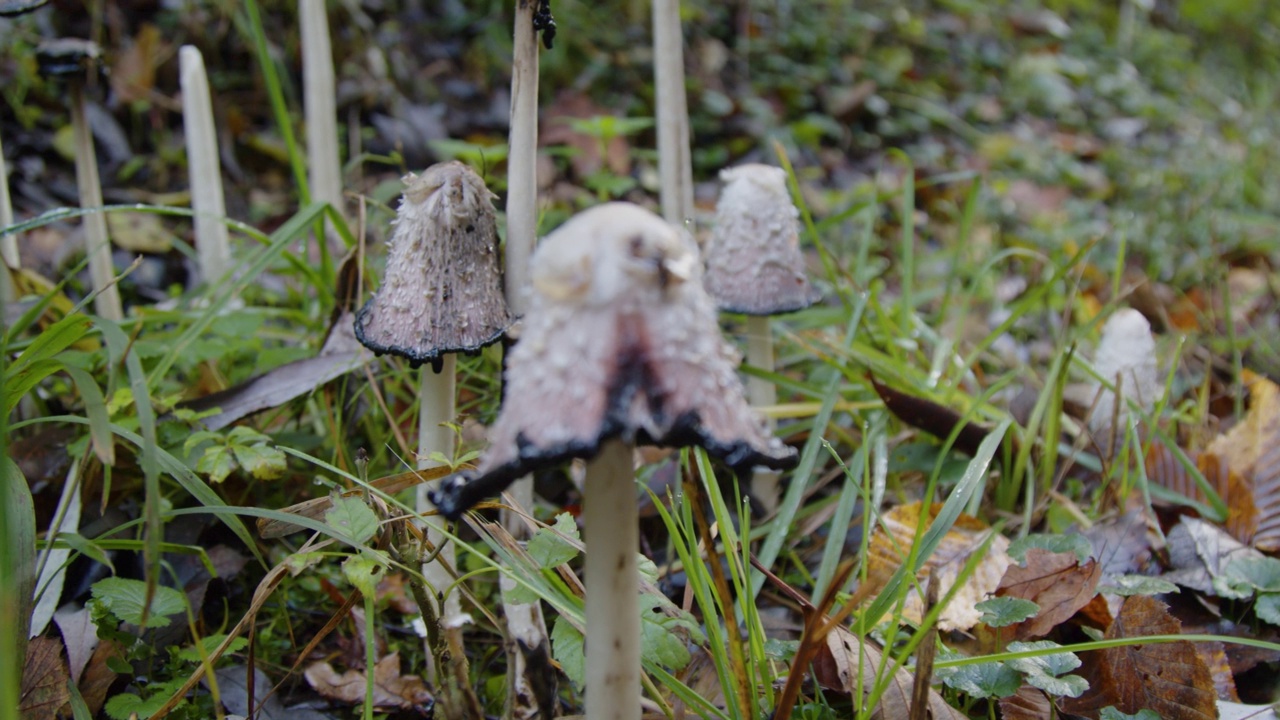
754	264
442	291
620	341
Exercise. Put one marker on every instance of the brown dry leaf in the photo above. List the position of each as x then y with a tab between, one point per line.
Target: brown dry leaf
1251	450
1057	582
935	419
98	677
1027	704
1198	553
44	680
848	666
390	689
1168	678
1214	657
133	77
891	544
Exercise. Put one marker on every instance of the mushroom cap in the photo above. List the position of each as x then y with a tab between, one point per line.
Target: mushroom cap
620	340
73	58
14	8
754	264
442	291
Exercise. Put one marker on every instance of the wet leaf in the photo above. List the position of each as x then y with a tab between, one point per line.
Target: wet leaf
1167	678
1057	582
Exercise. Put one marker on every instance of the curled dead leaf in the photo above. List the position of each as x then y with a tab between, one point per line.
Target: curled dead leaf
391	689
1057	582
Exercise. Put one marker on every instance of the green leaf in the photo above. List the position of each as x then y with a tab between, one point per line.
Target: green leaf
1053	664
1260	573
1268	608
988	679
514	593
298	562
1110	713
352	519
210	643
1005	611
35	363
1067	685
126	599
1126	585
363	573
566	646
217	463
86	547
1073	543
661	639
548	546
95	408
260	461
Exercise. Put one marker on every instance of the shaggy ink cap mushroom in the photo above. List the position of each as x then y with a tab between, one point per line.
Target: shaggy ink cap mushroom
442	291
14	8
620	341
754	264
68	58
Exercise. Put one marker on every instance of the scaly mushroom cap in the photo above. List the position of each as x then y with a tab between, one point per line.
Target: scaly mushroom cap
443	287
620	341
754	265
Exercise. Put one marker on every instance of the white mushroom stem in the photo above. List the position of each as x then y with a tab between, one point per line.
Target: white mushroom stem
675	165
436	395
762	392
8	243
522	195
96	242
324	173
611	522
205	170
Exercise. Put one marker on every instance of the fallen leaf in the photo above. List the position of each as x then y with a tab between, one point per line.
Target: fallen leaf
1027	704
98	677
847	665
391	689
233	690
1058	582
1214	657
1167	678
891	543
935	419
44	680
1199	553
80	637
1251	451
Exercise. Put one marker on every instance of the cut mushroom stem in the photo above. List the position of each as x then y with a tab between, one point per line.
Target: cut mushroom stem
611	523
213	245
675	165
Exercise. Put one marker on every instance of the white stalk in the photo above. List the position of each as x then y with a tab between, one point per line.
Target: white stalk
612	526
324	173
9	243
97	244
436	396
762	392
522	197
675	165
212	243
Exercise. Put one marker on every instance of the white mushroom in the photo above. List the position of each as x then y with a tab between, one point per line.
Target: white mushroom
620	346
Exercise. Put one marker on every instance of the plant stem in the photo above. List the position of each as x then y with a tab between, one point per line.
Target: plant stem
320	105
675	166
436	397
96	242
761	393
205	171
8	243
612	527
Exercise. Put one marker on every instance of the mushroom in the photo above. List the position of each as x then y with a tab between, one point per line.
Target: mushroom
76	61
442	294
754	267
203	167
620	346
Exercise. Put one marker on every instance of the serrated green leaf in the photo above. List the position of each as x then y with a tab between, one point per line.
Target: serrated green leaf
262	462
514	593
548	546
989	679
200	436
1261	573
1268	608
663	636
352	519
1052	665
1004	611
216	463
245	435
125	599
1066	686
1110	713
1073	543
210	643
566	646
1126	585
363	573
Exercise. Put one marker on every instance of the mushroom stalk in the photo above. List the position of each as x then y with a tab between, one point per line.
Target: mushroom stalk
8	243
762	392
96	242
675	166
205	170
324	170
611	523
522	193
